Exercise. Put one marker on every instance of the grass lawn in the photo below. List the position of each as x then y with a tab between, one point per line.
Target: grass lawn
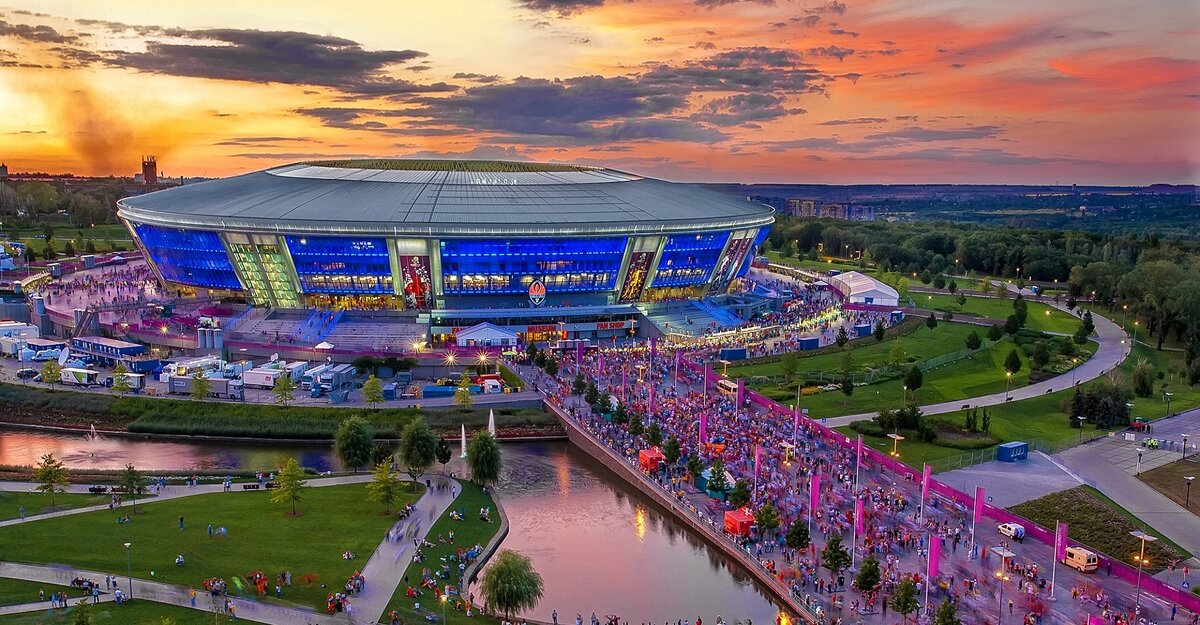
1168	480
64	232
262	537
133	613
920	345
467	533
1098	523
980	375
1042	317
18	591
815	265
39	503
1171	364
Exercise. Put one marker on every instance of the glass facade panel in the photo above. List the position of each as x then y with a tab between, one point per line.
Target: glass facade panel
688	259
341	264
192	257
266	273
471	266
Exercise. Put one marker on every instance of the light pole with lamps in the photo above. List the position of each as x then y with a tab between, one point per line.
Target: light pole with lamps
1187	497
1144	537
1124	311
483	361
1002	576
443	607
1138	470
896	438
1184	447
1081	421
129	566
1074	366
1167	396
1135	327
1007	385
449	363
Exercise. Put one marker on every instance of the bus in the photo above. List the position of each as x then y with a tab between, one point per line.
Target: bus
728	387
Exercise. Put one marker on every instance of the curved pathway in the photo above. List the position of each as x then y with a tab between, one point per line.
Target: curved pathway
1114	347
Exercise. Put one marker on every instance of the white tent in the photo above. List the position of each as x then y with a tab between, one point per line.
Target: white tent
485	335
862	289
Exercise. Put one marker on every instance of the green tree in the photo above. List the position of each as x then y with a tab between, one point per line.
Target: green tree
418	447
121	384
880	331
82	614
383	488
986	421
372	392
201	386
847	387
1012	362
946	614
1143	378
868	576
695	466
952	287
739	497
896	356
654	435
551	366
1021	309
290	484
671	450
1012	324
284	390
510	584
462	395
842	337
48	252
995	333
834	556
973	341
1041	355
931	322
354	442
51	372
914	379
767	519
1081	334
483	454
635	425
578	385
717	482
89	246
621	414
443	453
50	477
591	395
904	599
41	197
68	250
134	484
939	281
797	535
787	366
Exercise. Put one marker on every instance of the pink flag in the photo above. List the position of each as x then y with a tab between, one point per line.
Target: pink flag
814	492
678	357
858	452
979	496
653	347
935	555
741	393
650	406
1060	541
1095	620
859	525
926	474
600	365
703	428
579	354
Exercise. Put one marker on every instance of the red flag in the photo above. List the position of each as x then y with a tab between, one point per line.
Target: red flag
978	511
1060	541
935	555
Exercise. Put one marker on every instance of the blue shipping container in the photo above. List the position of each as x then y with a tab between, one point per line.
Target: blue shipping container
734	353
810	343
1015	451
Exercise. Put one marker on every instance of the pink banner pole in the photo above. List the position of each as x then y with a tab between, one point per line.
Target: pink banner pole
857	461
814	496
926	474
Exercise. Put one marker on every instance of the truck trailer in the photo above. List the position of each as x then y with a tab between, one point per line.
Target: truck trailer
261	378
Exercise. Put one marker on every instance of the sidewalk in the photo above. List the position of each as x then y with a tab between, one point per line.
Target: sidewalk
44	606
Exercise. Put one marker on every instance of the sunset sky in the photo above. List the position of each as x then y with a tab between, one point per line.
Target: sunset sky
806	91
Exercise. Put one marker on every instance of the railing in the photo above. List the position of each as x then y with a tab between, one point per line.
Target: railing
962	461
945	359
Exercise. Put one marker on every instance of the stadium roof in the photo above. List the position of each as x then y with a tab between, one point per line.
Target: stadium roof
423	197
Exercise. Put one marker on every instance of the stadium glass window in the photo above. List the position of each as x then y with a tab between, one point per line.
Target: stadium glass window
688	259
191	257
471	266
341	264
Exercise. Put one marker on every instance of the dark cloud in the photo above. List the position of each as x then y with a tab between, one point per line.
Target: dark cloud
710	4
655	40
842	32
259	141
27	132
906	118
745	108
278	57
473	77
836	52
833	7
561	7
989	156
856	120
806	20
704	45
38	34
916	134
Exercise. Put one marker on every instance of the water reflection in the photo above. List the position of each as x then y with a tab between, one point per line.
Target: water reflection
599	546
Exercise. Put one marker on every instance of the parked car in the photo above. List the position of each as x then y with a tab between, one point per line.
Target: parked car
26	374
1014	531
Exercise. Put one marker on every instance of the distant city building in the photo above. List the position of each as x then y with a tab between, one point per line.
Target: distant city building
798	207
3	170
149	171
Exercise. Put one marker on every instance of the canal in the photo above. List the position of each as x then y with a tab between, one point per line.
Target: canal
599	545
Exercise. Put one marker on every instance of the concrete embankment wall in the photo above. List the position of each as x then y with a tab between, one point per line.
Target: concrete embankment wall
605	456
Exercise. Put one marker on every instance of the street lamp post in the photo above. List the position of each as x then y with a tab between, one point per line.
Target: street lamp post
1002	577
1168	396
1074	365
1144	537
443	607
1124	311
483	361
129	566
1184	447
1139	464
1187	497
1135	327
1081	420
449	363
1008	385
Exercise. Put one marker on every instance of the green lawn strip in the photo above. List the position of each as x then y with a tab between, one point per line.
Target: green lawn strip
1171	364
982	374
913	452
1041	317
18	591
467	533
815	265
261	537
39	503
137	612
920	345
1169	481
1099	523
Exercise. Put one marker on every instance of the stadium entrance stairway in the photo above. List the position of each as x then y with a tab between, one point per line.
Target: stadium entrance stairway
688	318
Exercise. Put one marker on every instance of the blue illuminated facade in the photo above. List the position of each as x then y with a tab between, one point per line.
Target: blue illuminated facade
488	266
189	257
341	265
688	259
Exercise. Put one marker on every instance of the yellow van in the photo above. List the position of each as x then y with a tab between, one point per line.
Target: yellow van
1081	559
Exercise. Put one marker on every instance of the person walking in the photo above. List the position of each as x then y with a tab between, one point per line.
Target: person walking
554	616
21	512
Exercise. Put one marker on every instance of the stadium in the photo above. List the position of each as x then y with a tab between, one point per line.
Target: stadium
450	243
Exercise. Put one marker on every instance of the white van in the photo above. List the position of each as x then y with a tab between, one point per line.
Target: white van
1081	559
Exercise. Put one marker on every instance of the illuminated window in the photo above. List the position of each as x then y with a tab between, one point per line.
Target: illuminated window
341	264
191	257
510	266
688	259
